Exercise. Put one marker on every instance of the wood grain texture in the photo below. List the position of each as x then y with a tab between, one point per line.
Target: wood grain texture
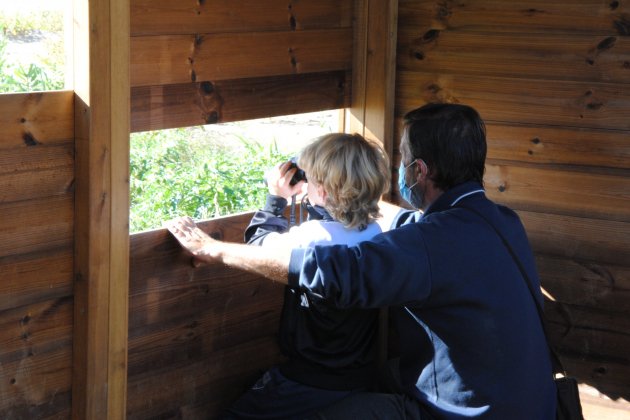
101	116
559	145
598	241
590	58
36	229
36	225
119	225
380	69
535	16
551	146
198	336
30	278
586	283
581	194
37	157
169	59
188	104
526	101
35	360
153	17
593	345
35	118
31	185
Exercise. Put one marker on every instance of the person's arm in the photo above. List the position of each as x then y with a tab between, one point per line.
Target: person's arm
391	269
269	262
268	220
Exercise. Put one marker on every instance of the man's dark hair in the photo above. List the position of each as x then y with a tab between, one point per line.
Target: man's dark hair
451	139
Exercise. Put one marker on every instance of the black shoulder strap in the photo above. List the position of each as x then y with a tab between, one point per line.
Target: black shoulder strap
555	360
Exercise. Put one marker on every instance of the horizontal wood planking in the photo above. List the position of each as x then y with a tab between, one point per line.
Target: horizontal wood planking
169	59
214	382
585	16
36	205
589	58
598	241
188	104
37	171
582	194
206	331
586	320
31	185
35	356
547	78
586	283
544	145
198	334
36	225
158	17
506	100
36	118
27	159
30	278
559	145
593	345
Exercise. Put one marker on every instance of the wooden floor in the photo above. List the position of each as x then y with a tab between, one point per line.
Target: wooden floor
596	406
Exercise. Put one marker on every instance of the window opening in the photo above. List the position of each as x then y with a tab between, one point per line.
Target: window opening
33	47
213	170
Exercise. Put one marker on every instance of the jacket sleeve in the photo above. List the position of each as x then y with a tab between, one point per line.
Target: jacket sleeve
267	220
391	269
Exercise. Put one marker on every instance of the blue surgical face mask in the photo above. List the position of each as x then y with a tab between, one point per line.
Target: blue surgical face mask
405	191
411	196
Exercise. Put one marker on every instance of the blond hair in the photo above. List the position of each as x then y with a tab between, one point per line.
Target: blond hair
353	171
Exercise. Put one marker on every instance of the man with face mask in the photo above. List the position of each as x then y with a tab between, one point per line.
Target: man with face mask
471	341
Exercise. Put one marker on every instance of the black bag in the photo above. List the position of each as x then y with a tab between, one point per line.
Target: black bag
569	406
568	396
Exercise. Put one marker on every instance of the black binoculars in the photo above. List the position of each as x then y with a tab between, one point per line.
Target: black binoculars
299	175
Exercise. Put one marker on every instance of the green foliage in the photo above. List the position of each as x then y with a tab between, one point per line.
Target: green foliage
180	172
28	79
24	24
40	73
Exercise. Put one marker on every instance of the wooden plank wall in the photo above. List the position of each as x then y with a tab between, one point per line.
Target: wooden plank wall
199	62
198	336
36	248
101	247
552	81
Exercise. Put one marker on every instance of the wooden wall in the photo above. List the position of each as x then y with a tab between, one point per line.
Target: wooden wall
552	82
36	247
199	62
198	337
550	78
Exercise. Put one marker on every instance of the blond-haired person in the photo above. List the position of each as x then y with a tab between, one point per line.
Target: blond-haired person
330	351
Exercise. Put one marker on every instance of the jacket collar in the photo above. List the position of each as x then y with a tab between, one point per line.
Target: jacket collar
451	197
316	212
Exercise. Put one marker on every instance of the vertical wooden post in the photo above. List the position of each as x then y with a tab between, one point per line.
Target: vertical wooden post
374	71
373	94
101	85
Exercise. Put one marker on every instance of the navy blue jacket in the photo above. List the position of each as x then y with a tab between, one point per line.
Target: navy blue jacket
471	341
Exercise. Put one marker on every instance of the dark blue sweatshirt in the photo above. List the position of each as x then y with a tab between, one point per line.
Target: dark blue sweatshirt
471	341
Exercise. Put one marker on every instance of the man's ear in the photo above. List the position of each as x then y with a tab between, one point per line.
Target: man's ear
423	170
